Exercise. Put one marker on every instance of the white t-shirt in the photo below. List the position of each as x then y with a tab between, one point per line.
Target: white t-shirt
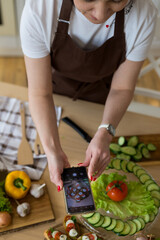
39	23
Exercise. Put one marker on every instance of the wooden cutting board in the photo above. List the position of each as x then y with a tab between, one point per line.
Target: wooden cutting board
152	138
41	212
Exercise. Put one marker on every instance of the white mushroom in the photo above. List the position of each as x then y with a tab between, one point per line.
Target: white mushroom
37	190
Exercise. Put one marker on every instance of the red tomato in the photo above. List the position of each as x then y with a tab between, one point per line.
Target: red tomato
57	236
91	236
49	234
70	226
117	190
68	217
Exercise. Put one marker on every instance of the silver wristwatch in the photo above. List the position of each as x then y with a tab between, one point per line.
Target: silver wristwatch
109	128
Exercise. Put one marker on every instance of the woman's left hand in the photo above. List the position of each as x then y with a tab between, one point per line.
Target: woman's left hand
98	154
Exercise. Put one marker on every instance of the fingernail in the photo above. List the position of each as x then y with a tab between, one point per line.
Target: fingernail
94	179
58	188
79	164
91	178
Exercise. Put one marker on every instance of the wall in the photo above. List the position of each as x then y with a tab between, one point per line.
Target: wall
10	45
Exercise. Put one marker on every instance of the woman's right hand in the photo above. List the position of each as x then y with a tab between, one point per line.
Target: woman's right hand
56	163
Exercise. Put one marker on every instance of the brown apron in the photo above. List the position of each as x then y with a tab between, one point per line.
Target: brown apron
83	74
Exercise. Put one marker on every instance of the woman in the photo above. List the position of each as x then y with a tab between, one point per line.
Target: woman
96	48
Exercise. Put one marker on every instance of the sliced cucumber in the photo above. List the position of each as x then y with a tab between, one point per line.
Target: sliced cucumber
100	222
117	164
148	182
95	218
136	168
112	225
115	148
140	172
156	202
142	222
126	229
88	215
133	141
124	165
156	211
119	226
146	153
140	146
121	141
138	224
144	177
151	147
152	186
138	156
133	227
130	166
146	218
151	217
123	156
156	194
107	222
128	150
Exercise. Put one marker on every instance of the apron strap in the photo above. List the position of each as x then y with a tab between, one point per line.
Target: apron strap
119	24
64	16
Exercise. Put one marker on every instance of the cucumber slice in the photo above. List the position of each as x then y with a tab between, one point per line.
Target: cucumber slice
156	202
146	153
136	168
130	166
128	150
115	148
156	194
153	186
124	165
151	217
138	224
140	146
119	226
123	156
144	177
88	215
107	222
156	211
146	218
95	218
138	156
148	182
140	172
100	222
126	230
142	222
133	141
151	147
133	227
117	164
121	141
112	225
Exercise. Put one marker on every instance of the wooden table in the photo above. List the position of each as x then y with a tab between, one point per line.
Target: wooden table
88	116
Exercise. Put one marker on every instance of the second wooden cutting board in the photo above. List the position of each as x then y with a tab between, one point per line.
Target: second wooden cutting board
151	138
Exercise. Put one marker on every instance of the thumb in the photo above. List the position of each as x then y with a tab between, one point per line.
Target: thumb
58	181
86	162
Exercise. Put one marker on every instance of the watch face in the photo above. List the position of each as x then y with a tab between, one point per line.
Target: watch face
112	130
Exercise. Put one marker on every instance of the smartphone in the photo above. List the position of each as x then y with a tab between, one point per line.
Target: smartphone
77	191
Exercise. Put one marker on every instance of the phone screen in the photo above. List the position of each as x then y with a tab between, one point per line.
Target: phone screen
77	190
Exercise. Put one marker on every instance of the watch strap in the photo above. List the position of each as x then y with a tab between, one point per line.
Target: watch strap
109	128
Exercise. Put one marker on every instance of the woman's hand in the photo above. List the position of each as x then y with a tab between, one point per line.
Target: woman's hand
98	154
56	163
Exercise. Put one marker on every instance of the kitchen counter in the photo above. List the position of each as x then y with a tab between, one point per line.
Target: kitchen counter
88	116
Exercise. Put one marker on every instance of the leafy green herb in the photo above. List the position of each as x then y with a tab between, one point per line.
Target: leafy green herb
5	204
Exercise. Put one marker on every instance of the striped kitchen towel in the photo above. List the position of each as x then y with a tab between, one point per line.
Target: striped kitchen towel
10	137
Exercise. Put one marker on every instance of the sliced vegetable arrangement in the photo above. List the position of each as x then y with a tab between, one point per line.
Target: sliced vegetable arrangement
141	203
132	149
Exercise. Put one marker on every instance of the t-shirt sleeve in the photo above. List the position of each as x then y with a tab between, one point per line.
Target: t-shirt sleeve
31	34
143	40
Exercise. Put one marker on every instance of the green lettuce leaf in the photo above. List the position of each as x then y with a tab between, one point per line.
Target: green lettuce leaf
137	203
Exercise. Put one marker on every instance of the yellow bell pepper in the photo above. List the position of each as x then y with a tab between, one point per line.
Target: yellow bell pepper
17	184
